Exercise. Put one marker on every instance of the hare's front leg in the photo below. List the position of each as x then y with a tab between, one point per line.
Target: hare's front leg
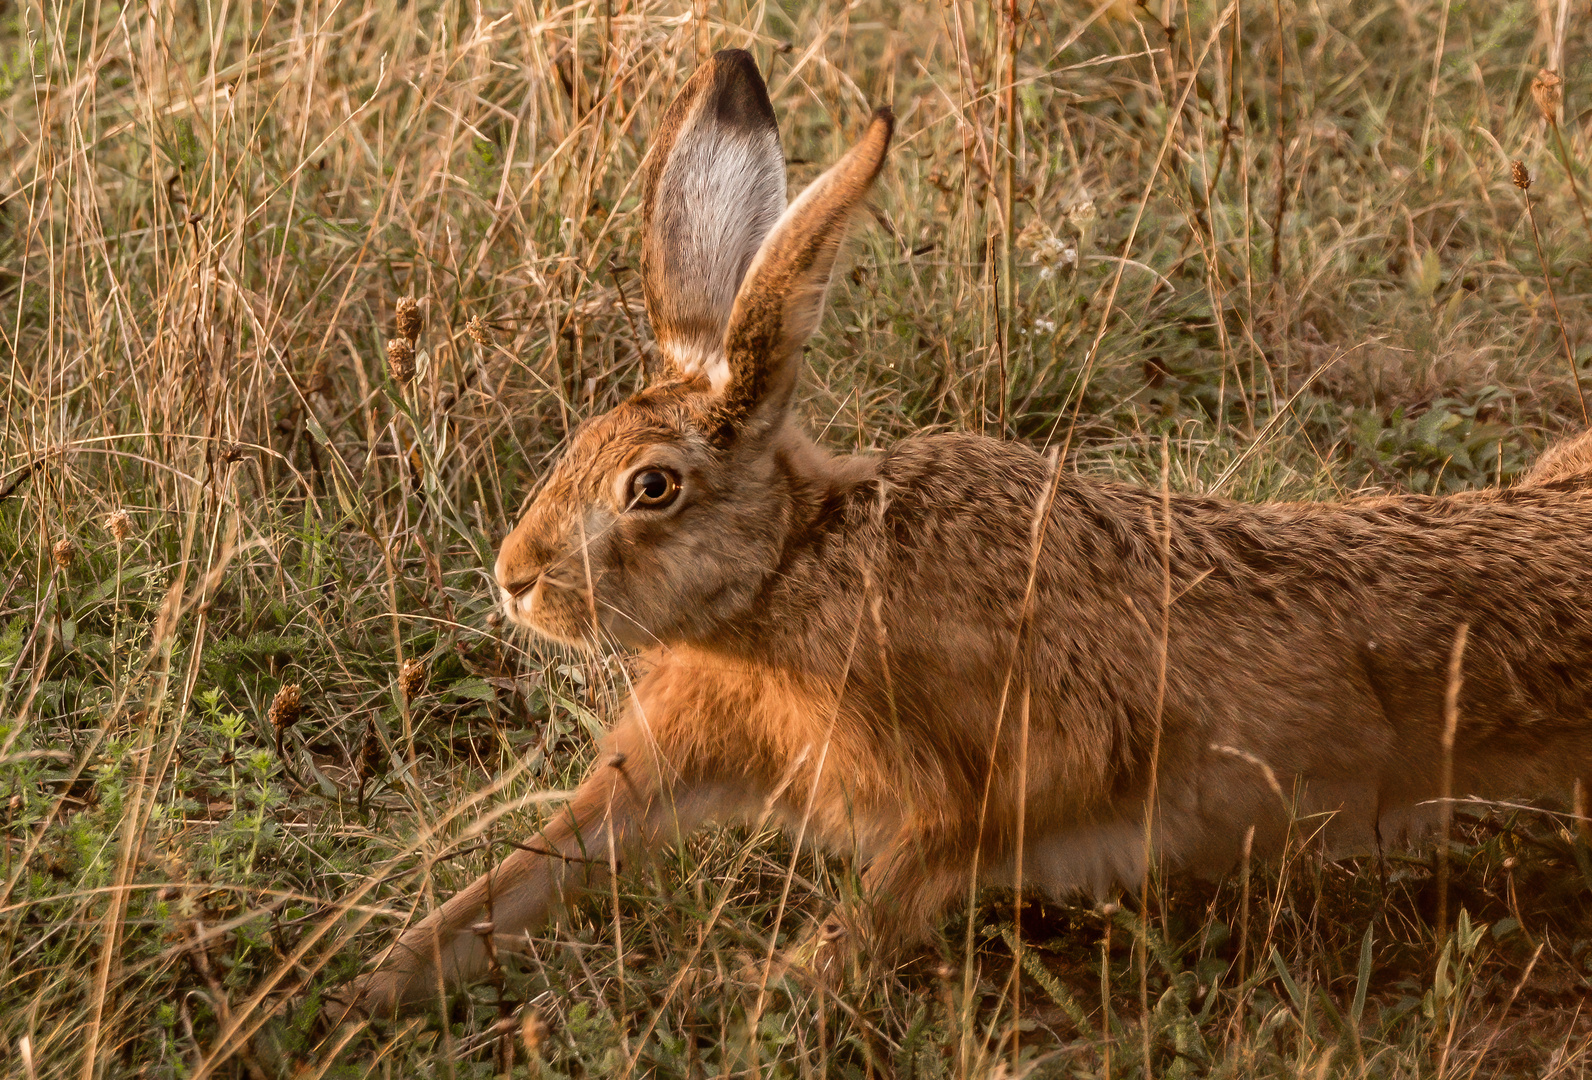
621	808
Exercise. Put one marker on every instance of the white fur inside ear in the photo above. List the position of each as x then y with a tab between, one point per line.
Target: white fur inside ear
721	192
692	357
731	199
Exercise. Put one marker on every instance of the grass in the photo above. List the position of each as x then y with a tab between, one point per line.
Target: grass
1282	236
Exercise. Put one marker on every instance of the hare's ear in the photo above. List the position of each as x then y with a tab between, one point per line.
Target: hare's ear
782	298
713	184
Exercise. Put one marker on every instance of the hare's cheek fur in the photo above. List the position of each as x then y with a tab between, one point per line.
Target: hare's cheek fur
681	578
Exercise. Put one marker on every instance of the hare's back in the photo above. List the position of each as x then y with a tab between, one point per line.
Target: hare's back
1279	608
1313	637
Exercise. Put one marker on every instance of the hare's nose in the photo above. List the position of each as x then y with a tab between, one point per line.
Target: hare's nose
517	586
516	575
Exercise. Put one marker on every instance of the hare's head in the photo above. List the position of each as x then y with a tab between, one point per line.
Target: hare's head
666	516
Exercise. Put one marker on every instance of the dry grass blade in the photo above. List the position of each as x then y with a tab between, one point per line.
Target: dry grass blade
1522	180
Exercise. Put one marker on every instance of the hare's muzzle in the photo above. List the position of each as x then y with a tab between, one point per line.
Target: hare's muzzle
518	571
516	592
520	585
541	595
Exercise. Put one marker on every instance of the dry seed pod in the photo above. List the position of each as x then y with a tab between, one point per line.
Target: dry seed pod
1518	174
533	1031
119	525
408	320
372	761
479	331
286	708
65	553
1547	90
412	678
401	360
319	380
1033	234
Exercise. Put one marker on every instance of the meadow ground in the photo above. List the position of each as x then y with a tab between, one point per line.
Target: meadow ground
1281	235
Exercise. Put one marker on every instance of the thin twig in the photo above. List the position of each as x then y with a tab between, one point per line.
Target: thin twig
1522	180
1282	149
21	474
1153	793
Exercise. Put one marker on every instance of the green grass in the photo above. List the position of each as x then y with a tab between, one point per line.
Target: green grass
209	211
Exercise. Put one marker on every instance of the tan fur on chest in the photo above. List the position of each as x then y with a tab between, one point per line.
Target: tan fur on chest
814	765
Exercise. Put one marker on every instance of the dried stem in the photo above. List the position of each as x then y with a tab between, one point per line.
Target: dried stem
1152	795
1456	660
1522	180
1008	158
1569	171
1282	148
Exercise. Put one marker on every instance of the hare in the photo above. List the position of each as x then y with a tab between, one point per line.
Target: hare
955	659
1567	463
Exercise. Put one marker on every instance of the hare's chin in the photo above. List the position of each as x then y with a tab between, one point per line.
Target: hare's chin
532	610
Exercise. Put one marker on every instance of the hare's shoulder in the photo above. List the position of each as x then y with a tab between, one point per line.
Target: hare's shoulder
955	470
947	502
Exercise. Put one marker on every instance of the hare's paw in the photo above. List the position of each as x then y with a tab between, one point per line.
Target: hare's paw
370	998
826	955
340	1010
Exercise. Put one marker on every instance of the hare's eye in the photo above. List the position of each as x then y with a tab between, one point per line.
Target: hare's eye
653	488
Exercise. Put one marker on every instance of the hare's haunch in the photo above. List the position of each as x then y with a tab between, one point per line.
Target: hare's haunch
868	648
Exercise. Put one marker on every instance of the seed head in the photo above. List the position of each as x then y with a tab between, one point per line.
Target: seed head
1518	173
286	707
372	762
401	360
65	553
319	380
479	331
1036	232
1547	90
412	678
408	318
533	1031
119	525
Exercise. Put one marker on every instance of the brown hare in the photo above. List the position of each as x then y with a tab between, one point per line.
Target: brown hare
955	658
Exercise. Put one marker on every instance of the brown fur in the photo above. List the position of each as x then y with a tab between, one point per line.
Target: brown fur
851	644
1567	463
1567	466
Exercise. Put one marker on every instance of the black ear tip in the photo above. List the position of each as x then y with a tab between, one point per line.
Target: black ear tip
884	117
736	66
740	96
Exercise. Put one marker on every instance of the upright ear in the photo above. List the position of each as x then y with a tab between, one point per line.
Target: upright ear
713	184
782	298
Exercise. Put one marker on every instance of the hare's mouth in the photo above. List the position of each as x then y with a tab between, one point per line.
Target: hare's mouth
552	608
